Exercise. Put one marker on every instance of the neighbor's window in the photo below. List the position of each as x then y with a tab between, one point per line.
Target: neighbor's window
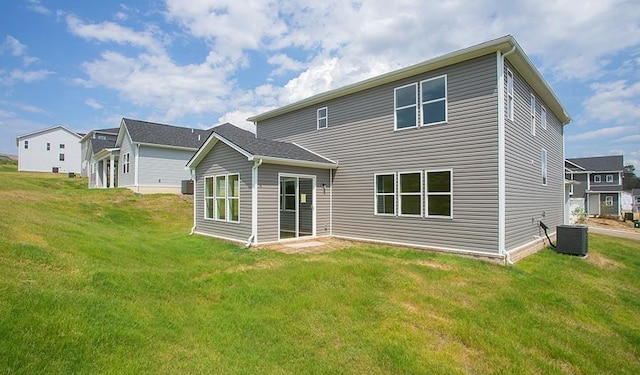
543	117
510	103
608	200
385	194
406	106
208	198
288	195
220	196
48	146
597	178
410	195
26	145
533	115
434	100
233	199
323	118
125	163
543	164
637	200
439	193
61	157
609	178
61	145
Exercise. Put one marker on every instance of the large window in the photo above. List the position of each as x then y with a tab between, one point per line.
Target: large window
288	195
510	103
385	193
533	115
222	197
406	106
125	163
439	193
543	164
323	118
434	100
410	195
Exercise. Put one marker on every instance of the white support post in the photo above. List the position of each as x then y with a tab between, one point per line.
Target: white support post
111	171
104	174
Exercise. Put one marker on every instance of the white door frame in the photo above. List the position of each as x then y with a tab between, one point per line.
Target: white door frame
298	176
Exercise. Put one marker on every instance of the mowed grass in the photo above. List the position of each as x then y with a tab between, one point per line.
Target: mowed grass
105	281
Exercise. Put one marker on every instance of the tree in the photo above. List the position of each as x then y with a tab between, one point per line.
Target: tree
629	178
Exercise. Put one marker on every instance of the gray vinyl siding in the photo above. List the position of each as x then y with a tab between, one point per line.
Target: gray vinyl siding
360	136
269	198
222	159
126	179
163	166
580	189
527	200
609	210
603	184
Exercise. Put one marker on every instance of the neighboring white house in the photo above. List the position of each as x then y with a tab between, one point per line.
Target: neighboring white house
55	149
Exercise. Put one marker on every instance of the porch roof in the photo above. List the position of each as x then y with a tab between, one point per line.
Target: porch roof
274	152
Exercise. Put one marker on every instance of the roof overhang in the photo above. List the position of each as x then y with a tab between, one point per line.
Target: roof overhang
294	163
571	182
106	152
518	59
574	164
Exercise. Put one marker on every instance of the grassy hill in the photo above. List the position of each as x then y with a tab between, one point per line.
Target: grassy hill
106	281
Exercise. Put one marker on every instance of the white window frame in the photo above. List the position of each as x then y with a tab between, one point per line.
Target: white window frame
608	178
597	178
510	98
213	198
543	167
608	200
284	195
427	193
445	100
400	194
393	194
543	117
532	109
216	211
61	157
230	197
396	109
319	118
209	199
125	163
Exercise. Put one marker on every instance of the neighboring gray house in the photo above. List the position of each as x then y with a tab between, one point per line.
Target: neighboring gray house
99	134
54	149
635	195
146	157
461	153
599	184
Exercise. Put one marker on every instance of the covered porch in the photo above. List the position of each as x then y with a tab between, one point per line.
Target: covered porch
104	168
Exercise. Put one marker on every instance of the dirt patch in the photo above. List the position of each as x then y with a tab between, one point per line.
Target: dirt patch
603	262
606	223
310	246
257	266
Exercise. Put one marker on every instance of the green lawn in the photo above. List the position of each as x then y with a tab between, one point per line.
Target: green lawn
104	281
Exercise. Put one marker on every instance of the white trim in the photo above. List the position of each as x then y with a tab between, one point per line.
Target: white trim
427	193
325	118
375	193
330	202
254	199
235	240
502	200
543	117
445	99
607	179
294	163
205	197
511	100
136	158
396	108
46	131
421	194
314	204
608	200
574	164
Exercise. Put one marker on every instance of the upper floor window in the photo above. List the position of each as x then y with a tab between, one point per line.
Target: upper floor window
510	103
385	194
61	145
61	157
406	106
637	200
434	100
410	194
533	115
48	146
543	163
323	118
26	145
597	178
125	163
609	178
102	137
543	117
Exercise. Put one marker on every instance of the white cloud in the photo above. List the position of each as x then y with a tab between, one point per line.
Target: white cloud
239	119
601	133
284	64
614	102
24	76
37	7
13	46
91	102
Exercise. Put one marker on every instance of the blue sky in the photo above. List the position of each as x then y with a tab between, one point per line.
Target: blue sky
87	64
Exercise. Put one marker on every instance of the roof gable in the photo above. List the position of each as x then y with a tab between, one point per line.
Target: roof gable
48	130
599	163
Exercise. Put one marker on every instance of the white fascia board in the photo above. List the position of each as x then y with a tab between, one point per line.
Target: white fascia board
166	146
295	163
574	164
48	130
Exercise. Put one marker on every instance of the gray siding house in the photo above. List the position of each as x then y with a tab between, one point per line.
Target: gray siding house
145	157
599	184
87	152
461	153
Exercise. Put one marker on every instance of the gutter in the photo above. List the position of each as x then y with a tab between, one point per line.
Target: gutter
501	156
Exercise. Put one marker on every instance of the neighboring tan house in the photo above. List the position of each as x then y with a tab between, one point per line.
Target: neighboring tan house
54	149
99	134
461	153
146	157
599	184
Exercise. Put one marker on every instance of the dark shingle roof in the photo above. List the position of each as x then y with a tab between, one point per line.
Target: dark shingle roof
109	130
600	163
266	147
98	145
165	135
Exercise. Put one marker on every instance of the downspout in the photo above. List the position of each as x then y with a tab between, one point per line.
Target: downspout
135	176
254	204
331	202
193	175
501	158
